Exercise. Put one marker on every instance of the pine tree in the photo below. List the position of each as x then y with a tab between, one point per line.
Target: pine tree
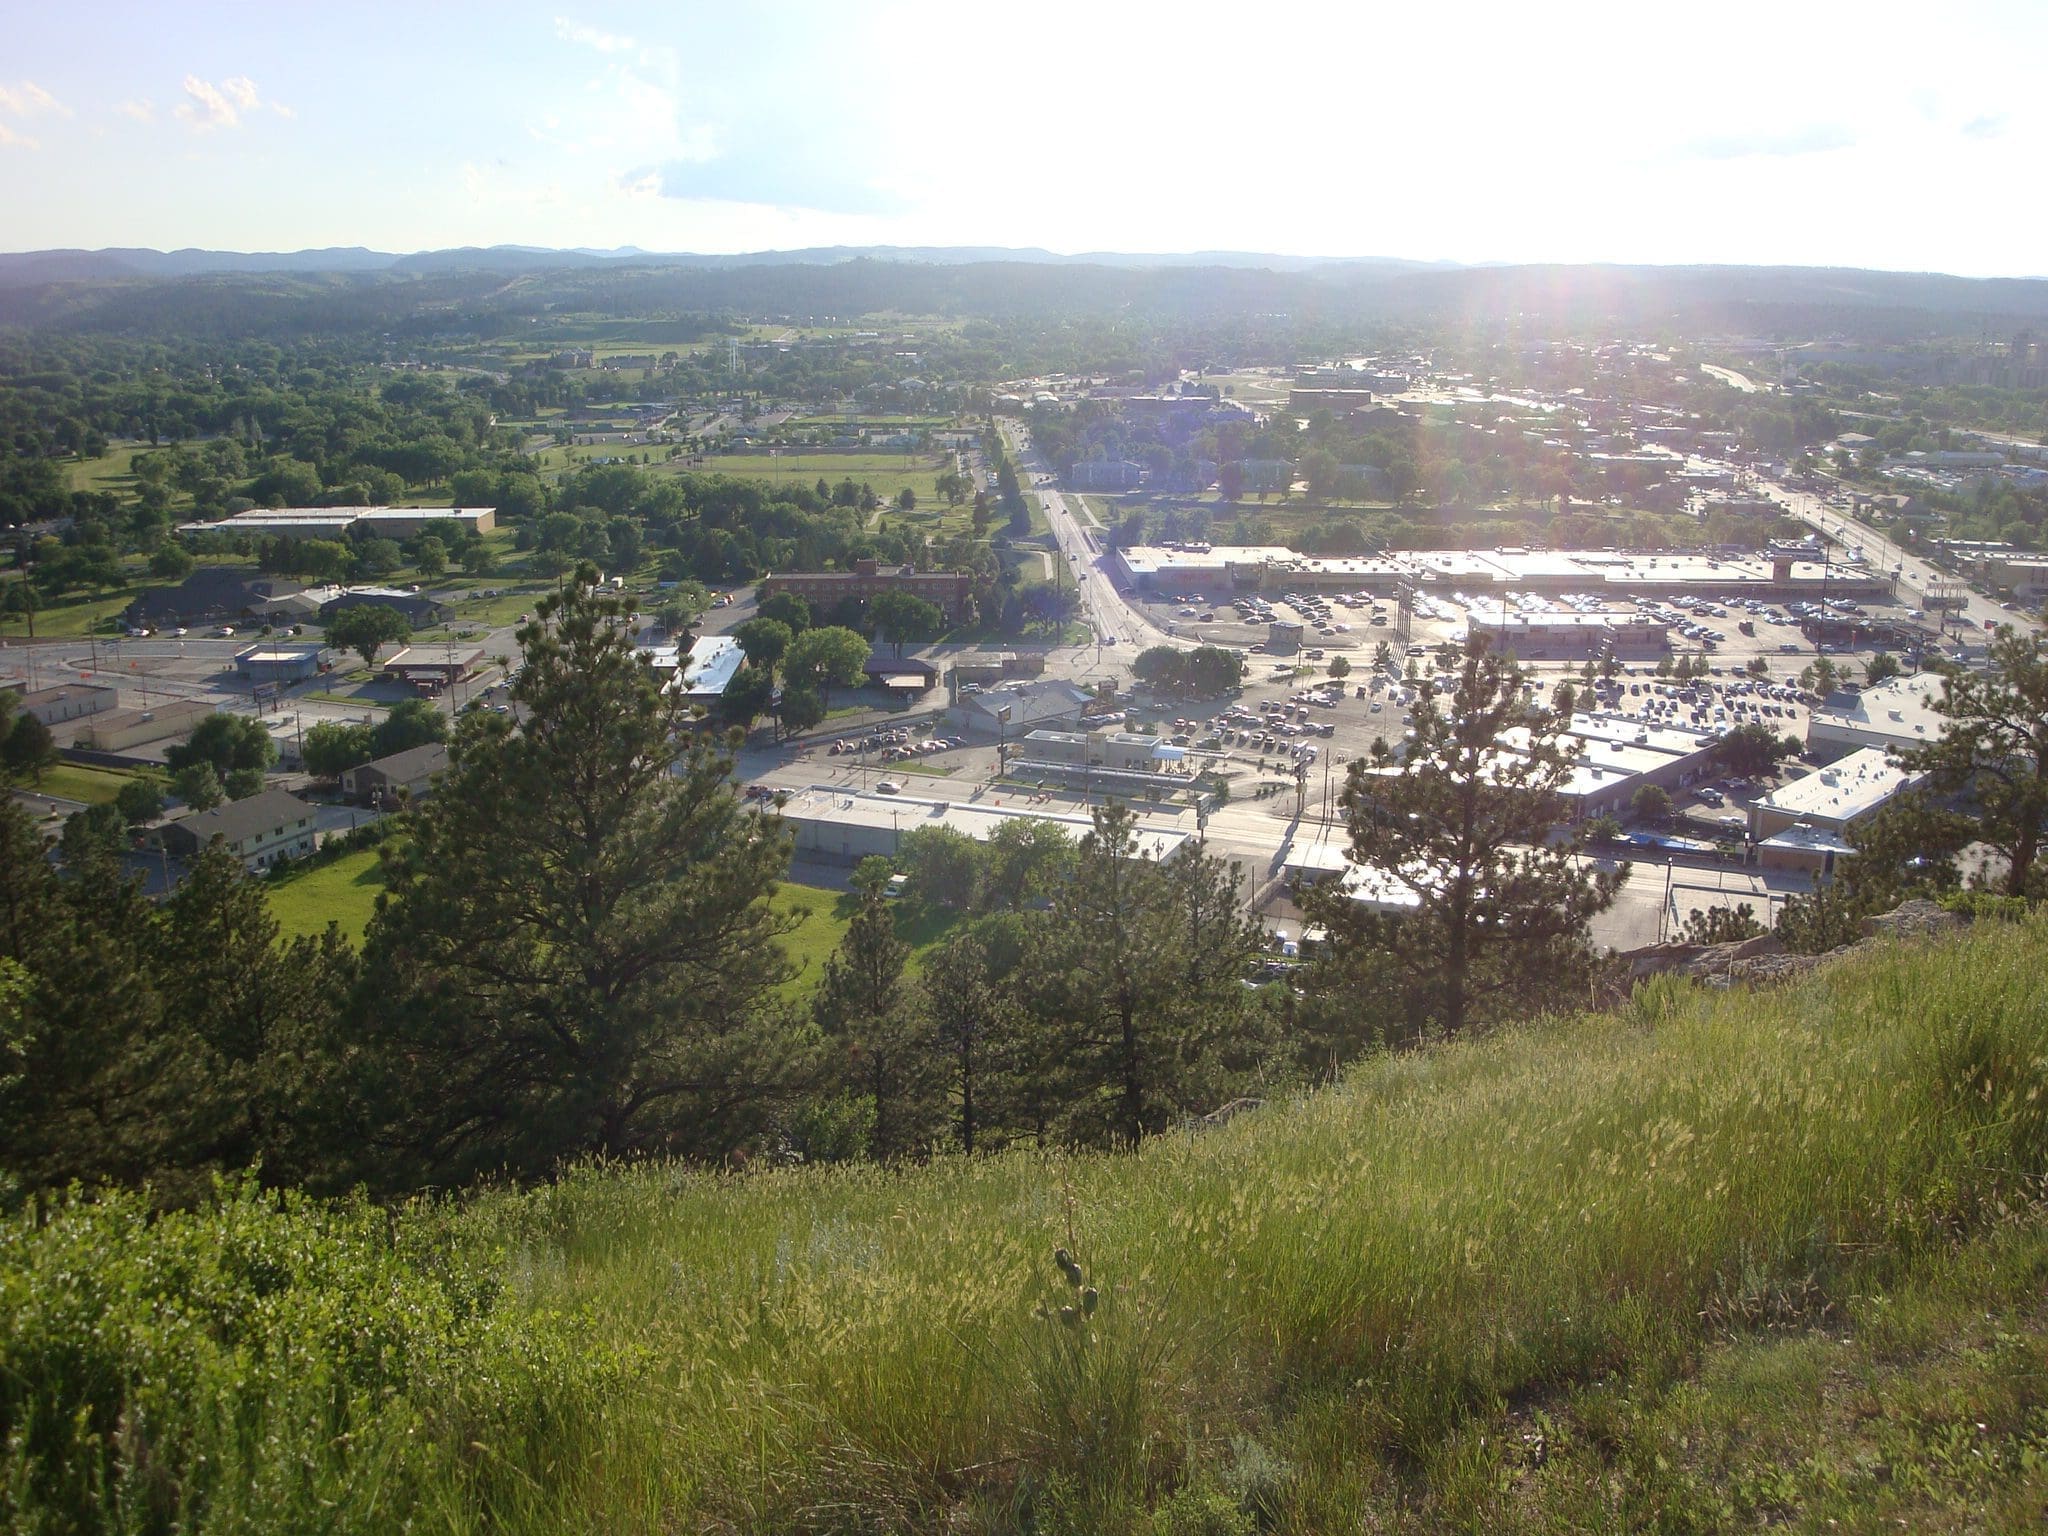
973	1020
577	957
1993	752
864	1004
1138	970
1493	907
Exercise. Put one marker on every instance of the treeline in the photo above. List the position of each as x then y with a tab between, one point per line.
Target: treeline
577	957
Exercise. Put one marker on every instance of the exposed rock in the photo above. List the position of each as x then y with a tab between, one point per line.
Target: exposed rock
1764	960
1912	919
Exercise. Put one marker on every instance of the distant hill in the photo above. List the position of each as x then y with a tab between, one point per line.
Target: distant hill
35	267
476	291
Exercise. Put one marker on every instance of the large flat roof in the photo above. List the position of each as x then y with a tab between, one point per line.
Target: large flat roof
1897	712
1597	569
1843	791
1158	836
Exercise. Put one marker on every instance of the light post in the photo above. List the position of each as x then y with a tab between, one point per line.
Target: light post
1002	741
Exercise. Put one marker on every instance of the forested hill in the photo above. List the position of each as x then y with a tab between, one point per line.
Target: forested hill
323	292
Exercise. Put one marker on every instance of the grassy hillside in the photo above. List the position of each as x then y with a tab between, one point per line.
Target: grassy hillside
1718	1261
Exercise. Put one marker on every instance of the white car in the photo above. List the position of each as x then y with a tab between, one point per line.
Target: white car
888	787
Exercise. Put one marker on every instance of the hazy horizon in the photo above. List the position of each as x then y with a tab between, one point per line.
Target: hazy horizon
1768	136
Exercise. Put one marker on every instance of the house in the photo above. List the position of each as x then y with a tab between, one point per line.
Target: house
210	595
259	831
407	775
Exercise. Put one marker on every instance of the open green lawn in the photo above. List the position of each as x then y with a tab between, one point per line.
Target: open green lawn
887	473
113	470
344	892
824	916
82	782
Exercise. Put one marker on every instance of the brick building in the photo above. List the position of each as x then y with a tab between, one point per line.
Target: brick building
948	591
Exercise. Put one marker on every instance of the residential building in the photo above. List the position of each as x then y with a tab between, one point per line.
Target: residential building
259	831
407	776
1105	475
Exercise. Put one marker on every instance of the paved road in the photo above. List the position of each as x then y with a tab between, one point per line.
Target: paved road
1890	557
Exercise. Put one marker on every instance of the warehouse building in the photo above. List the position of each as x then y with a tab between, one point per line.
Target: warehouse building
343	522
845	827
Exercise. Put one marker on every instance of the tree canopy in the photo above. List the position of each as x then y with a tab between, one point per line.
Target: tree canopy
577	957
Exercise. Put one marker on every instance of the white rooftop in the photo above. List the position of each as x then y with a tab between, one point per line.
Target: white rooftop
1158	836
1896	713
714	661
1841	792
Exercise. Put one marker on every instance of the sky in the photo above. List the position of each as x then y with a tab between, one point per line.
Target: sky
1908	137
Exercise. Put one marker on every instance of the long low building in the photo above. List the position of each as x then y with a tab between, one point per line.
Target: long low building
344	522
1615	574
824	591
120	729
845	826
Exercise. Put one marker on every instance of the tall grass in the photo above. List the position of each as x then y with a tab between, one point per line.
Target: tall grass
1307	1305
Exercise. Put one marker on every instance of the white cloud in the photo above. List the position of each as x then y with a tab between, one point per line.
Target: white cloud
591	37
27	99
9	139
208	106
142	110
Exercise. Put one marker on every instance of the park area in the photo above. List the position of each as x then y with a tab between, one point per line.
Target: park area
345	890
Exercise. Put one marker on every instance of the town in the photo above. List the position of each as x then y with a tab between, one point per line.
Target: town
1111	770
1828	632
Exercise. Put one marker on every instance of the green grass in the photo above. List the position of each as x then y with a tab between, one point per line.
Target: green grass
82	782
1716	1261
113	470
73	616
343	892
823	918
